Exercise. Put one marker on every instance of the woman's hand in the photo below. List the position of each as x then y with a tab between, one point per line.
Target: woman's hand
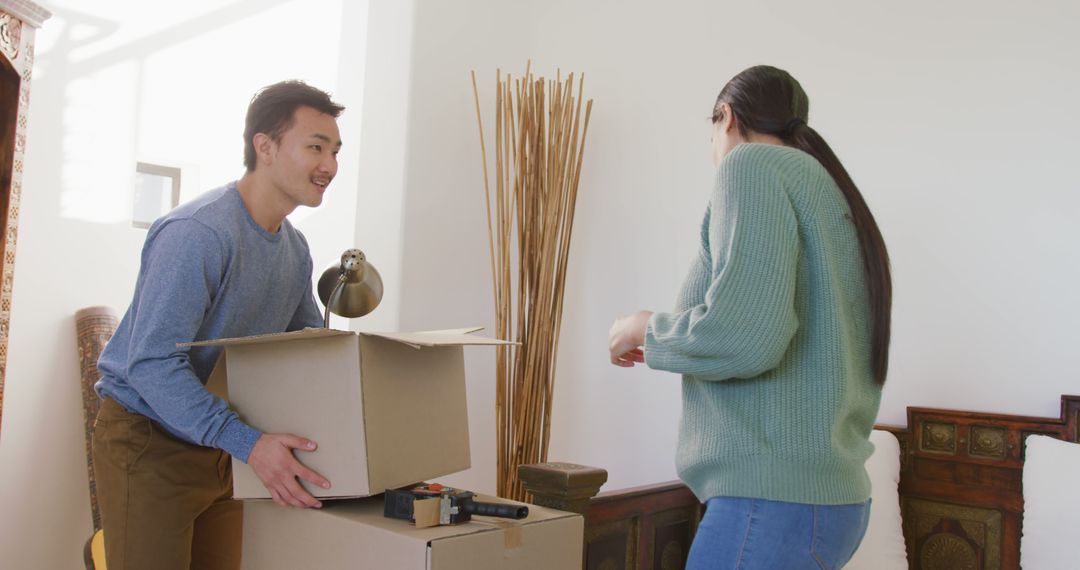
625	338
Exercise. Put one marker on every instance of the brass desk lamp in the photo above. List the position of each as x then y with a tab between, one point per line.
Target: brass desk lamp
351	288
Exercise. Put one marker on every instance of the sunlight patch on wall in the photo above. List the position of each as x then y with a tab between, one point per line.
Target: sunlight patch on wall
170	84
97	173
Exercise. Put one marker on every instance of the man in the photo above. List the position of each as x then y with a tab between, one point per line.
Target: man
226	264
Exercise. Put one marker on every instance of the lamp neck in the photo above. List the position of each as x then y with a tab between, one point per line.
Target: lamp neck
332	299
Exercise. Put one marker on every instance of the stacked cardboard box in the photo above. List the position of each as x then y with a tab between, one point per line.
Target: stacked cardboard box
354	534
387	410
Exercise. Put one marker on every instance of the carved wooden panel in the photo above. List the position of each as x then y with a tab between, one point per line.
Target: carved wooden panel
10	35
987	441
611	546
945	536
961	484
618	545
18	22
673	531
16	65
644	528
938	438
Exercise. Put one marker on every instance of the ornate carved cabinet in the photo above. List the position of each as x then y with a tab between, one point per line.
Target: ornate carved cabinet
19	19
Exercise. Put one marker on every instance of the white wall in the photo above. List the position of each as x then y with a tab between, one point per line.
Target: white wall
159	82
446	280
381	156
957	121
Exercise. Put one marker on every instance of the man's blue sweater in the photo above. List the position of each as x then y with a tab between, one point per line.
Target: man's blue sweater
208	271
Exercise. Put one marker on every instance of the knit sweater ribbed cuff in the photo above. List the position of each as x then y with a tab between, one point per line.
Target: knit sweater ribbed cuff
238	439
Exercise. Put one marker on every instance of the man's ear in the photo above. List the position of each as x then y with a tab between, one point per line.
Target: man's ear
264	147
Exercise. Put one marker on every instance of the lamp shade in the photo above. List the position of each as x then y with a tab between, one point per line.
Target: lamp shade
351	288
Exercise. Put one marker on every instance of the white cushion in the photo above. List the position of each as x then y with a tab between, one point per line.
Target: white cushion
1051	499
883	546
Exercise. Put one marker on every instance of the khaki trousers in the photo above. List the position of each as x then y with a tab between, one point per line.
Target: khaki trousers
165	504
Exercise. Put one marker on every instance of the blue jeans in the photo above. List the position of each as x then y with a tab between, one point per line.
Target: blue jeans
753	534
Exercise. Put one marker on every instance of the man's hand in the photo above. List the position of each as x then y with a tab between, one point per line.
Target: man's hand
273	462
625	338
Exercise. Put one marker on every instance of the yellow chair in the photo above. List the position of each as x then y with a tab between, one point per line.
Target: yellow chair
94	551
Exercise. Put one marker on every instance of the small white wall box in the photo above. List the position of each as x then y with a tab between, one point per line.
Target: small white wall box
157	190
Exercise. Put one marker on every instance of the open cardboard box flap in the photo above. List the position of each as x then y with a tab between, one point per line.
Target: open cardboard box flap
447	337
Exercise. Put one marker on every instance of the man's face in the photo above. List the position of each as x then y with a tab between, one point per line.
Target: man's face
304	159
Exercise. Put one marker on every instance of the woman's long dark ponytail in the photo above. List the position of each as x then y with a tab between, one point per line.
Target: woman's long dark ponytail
768	100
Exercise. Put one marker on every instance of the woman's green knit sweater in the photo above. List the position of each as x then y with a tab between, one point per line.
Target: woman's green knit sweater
771	333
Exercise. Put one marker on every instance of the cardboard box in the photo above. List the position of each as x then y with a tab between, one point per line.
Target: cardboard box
354	534
387	409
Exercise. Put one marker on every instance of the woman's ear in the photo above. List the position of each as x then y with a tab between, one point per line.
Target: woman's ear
726	118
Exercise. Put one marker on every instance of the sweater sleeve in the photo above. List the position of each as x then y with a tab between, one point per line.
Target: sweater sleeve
183	265
746	319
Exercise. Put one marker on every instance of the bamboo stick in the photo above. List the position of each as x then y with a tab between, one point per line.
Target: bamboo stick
538	152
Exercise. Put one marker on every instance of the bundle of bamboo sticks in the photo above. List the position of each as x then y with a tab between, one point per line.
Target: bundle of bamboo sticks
539	145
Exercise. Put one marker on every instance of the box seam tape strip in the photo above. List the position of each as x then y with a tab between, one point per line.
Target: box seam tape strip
512	535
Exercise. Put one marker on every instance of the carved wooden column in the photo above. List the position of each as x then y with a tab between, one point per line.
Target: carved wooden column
563	486
94	326
18	21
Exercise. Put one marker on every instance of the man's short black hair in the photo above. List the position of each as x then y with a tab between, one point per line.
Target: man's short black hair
273	111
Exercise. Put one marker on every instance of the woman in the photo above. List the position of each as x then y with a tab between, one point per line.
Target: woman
781	334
